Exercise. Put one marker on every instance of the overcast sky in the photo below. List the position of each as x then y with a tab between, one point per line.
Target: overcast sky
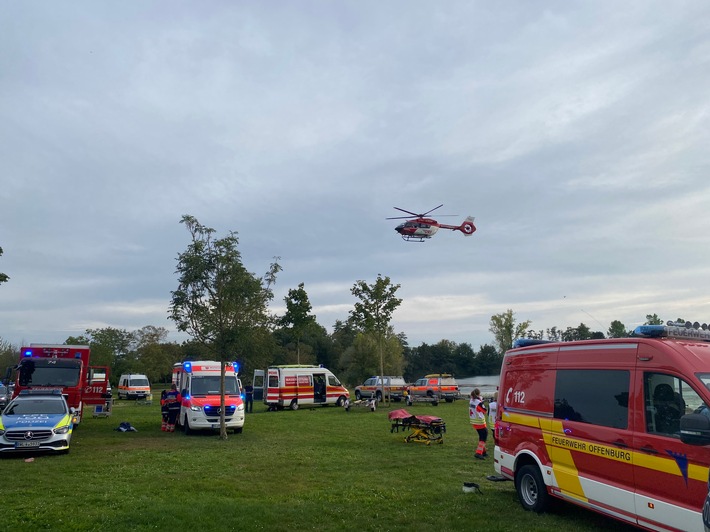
576	133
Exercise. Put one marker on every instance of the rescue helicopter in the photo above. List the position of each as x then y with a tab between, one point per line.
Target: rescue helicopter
418	227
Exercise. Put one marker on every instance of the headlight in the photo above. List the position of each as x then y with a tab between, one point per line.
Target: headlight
2	431
240	407
195	408
63	429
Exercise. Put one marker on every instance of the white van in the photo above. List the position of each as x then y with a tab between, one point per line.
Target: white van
299	385
133	386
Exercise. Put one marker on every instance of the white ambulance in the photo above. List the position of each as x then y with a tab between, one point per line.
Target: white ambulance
199	385
132	386
298	385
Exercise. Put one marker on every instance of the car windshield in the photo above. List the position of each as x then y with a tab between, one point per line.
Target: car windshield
36	406
209	385
139	382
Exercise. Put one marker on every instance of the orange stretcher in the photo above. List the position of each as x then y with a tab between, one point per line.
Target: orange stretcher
422	429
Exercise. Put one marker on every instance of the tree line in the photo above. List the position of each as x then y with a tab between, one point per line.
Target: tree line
224	309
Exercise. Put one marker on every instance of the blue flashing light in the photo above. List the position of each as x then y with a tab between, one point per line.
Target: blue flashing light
674	330
187	366
77	355
242	397
236	367
527	342
27	353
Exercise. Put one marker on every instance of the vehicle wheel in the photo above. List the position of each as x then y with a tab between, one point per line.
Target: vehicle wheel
186	426
532	491
358	396
294	405
340	401
449	400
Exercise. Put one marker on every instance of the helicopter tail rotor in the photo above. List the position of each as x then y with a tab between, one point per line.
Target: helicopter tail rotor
467	227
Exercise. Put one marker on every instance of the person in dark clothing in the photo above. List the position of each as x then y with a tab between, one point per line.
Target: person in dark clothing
249	397
164	410
173	400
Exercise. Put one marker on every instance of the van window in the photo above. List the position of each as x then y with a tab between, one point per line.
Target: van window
333	381
139	381
667	399
599	397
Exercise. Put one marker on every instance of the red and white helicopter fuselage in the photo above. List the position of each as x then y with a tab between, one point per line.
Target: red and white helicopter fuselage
419	229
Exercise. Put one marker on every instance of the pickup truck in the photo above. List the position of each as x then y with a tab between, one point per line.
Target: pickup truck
393	386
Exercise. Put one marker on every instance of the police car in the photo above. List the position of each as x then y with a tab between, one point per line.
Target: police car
36	420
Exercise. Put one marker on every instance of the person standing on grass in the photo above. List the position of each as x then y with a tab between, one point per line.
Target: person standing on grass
493	410
173	400
477	415
164	410
249	397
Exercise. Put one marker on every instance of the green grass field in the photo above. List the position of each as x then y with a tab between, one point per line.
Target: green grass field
312	469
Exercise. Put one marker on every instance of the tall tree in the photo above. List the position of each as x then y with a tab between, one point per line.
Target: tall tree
218	301
3	277
298	317
617	330
373	312
506	331
653	319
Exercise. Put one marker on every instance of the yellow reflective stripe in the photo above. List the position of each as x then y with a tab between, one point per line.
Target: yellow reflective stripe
522	419
563	465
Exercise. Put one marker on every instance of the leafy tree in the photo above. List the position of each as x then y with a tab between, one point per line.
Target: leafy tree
298	317
373	312
9	355
653	319
554	334
3	277
218	301
617	330
505	331
488	361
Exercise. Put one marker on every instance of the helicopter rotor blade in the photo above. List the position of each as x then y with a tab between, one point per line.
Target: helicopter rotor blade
408	212
427	212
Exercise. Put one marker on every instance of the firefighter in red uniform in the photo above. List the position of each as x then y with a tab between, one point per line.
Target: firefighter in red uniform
172	400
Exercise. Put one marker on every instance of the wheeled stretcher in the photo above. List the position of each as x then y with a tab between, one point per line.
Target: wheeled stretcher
422	429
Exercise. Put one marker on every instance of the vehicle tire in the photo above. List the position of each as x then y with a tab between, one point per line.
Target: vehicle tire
340	401
186	426
449	400
294	405
531	489
358	395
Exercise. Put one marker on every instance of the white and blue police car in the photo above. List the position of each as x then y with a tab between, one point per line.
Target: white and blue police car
36	420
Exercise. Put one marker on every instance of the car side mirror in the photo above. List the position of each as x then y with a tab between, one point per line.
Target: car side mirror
695	429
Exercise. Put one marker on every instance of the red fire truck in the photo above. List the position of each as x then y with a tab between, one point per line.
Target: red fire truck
64	367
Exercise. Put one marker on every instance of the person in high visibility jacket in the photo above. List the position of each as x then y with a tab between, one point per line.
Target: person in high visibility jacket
172	400
477	416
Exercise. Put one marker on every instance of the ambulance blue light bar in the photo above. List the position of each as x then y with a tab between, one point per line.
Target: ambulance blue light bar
27	353
187	366
686	331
